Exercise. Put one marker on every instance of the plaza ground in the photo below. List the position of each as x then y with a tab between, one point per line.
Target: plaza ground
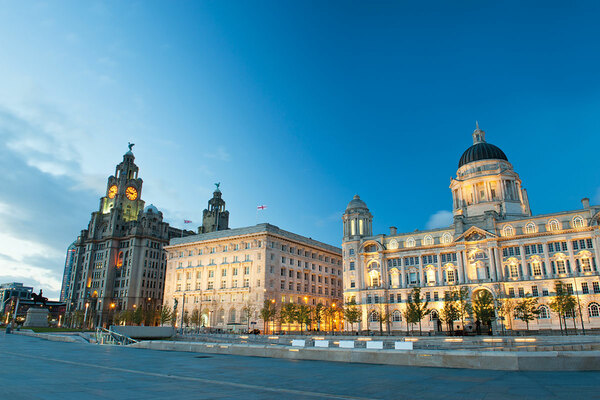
40	369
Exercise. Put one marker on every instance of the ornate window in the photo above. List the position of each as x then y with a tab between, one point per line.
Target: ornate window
544	312
561	266
446	238
374	316
374	277
594	310
578	222
410	242
428	240
508	230
396	316
530	228
370	248
433	316
553	225
393	244
232	315
514	270
450	275
536	267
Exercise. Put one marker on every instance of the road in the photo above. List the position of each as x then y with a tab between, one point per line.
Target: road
38	369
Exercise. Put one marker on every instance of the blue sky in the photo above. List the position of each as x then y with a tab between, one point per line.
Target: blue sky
295	106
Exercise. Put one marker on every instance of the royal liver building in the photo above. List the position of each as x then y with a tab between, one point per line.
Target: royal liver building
495	244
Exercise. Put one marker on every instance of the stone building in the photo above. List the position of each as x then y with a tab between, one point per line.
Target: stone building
222	272
120	261
494	244
69	260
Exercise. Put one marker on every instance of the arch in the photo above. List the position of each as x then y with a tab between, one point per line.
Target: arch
221	316
553	225
578	222
593	310
373	316
584	261
232	315
430	274
367	246
530	228
393	244
544	312
446	238
374	278
410	242
508	230
434	315
428	240
396	316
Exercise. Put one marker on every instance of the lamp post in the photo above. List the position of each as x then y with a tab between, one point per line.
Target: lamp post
578	304
87	305
111	315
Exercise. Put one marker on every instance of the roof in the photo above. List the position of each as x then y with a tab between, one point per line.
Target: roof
356	203
260	228
481	151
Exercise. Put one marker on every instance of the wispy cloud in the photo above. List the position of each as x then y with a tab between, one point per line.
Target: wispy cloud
440	219
220	154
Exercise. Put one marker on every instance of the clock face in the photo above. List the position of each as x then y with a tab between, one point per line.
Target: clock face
131	193
112	192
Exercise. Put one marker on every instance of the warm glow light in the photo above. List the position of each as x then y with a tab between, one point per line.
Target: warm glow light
112	305
410	339
223	347
294	350
492	340
318	337
273	337
453	340
525	340
243	337
364	339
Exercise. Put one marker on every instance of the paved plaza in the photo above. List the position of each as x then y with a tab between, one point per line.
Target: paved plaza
38	369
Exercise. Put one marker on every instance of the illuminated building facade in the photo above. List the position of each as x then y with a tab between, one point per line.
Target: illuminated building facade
119	260
222	272
494	244
69	261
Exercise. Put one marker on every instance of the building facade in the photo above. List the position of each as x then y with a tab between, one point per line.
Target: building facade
494	244
224	272
13	290
119	260
69	260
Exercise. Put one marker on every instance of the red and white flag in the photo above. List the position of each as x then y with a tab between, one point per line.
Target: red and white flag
261	207
187	221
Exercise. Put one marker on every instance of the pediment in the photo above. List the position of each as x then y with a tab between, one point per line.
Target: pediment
475	234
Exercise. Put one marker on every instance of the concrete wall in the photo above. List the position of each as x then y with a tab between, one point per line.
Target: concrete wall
144	332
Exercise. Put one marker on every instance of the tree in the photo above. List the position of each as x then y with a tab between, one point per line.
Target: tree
288	314
195	317
303	315
138	316
563	303
483	307
416	310
449	313
319	308
186	319
352	313
527	309
329	314
247	312
268	311
463	304
165	315
506	307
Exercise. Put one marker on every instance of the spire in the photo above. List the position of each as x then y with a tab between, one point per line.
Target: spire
478	134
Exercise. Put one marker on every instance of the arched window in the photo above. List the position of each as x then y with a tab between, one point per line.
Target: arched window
221	315
370	248
446	238
578	222
393	244
430	276
433	316
530	228
508	230
410	242
396	316
544	312
375	279
553	225
594	310
428	240
374	316
232	315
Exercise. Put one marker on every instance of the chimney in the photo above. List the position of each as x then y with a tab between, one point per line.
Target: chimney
586	203
393	231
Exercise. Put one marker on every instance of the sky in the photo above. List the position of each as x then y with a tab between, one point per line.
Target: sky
294	105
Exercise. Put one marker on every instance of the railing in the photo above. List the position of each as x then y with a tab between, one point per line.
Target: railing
105	336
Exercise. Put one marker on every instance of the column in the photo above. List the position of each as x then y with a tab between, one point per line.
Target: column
461	268
499	265
572	258
547	261
493	272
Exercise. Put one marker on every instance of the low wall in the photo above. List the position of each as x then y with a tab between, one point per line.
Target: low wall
144	332
48	336
506	361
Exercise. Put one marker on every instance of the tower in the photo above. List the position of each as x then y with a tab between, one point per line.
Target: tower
486	187
215	217
357	220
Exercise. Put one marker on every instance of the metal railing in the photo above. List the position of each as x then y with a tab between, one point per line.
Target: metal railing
106	336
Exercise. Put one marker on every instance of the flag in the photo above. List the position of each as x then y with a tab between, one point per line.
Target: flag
261	207
187	221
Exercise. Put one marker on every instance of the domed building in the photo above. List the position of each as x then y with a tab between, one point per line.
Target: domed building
494	245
